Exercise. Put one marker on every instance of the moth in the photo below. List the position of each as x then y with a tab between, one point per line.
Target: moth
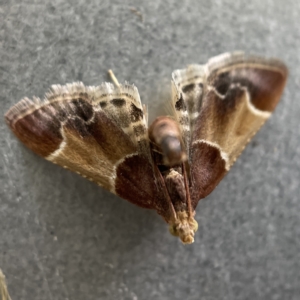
101	132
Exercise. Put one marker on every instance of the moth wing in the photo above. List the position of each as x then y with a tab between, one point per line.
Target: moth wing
232	96
97	132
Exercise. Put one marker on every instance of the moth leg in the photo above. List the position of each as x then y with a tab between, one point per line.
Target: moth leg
187	190
162	185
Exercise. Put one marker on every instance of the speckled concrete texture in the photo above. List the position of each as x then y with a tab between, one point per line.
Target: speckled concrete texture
62	237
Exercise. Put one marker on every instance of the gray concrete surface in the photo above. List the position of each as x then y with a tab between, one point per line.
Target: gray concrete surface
61	237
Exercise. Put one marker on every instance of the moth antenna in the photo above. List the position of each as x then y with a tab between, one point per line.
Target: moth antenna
113	78
165	191
187	190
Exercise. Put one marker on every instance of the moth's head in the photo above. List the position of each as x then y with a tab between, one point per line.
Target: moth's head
184	227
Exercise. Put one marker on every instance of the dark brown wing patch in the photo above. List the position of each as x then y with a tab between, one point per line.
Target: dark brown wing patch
264	83
207	172
139	187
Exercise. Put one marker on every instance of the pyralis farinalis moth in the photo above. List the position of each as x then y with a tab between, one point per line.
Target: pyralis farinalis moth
102	133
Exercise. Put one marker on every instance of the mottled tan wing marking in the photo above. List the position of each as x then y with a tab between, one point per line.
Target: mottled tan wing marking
187	90
94	150
228	126
123	105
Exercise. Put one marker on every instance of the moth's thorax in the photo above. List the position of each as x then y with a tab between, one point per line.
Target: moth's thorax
165	136
184	227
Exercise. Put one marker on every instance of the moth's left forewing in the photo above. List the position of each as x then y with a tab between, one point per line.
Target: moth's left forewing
97	132
239	95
